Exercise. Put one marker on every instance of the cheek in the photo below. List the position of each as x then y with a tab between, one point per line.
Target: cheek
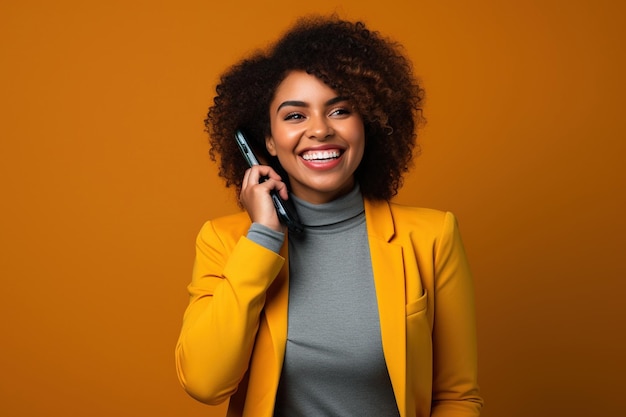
359	140
284	141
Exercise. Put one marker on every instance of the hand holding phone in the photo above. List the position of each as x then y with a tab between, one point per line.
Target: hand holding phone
284	208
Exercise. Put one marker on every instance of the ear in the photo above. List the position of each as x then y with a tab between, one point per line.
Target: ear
270	145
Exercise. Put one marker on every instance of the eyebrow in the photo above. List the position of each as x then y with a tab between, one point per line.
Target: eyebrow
298	103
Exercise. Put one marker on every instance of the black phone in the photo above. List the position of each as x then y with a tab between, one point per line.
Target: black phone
284	208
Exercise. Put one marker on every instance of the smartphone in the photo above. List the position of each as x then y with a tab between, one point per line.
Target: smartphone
286	211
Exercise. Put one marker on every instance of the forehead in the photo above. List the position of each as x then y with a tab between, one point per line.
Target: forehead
303	87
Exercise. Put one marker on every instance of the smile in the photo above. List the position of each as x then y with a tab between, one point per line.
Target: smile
321	155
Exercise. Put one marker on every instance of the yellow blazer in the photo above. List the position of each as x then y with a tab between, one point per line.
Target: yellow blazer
232	342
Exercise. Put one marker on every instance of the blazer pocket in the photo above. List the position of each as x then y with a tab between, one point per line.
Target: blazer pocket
417	306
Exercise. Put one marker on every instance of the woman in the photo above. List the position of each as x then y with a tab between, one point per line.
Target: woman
368	311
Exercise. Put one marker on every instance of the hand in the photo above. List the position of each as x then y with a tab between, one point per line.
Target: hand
255	197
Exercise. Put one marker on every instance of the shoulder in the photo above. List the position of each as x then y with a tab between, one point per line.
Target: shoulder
425	222
392	221
435	229
405	218
225	230
419	215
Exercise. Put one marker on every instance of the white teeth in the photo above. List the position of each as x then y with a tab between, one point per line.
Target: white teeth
310	156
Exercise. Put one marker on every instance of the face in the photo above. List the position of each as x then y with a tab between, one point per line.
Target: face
317	136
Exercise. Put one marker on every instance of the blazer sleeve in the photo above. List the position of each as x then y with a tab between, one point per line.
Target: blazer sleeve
455	386
227	295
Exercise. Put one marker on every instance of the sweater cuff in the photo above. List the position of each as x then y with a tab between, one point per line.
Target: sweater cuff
266	237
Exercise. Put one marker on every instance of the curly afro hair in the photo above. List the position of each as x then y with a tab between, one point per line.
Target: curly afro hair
355	62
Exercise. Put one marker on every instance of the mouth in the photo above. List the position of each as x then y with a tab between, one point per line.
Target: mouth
321	155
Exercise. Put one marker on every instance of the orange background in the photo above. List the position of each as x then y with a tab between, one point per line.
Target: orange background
106	181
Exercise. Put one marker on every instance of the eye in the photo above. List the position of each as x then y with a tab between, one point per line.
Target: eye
293	116
340	111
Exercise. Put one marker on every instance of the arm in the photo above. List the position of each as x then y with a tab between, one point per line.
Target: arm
227	294
455	386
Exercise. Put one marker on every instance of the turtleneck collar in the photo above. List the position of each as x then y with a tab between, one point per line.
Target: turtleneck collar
337	211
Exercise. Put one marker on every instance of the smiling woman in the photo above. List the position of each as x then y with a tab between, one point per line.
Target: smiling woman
357	64
317	137
373	314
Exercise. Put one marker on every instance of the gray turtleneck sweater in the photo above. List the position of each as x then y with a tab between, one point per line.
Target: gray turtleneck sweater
334	364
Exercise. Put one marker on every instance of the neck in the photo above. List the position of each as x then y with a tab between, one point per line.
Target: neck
340	209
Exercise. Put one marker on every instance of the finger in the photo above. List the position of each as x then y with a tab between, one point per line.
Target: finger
245	182
246	176
261	173
281	189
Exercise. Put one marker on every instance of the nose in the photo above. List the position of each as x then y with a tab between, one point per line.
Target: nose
319	128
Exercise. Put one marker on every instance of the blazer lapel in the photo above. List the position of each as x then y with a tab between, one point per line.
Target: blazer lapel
388	269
